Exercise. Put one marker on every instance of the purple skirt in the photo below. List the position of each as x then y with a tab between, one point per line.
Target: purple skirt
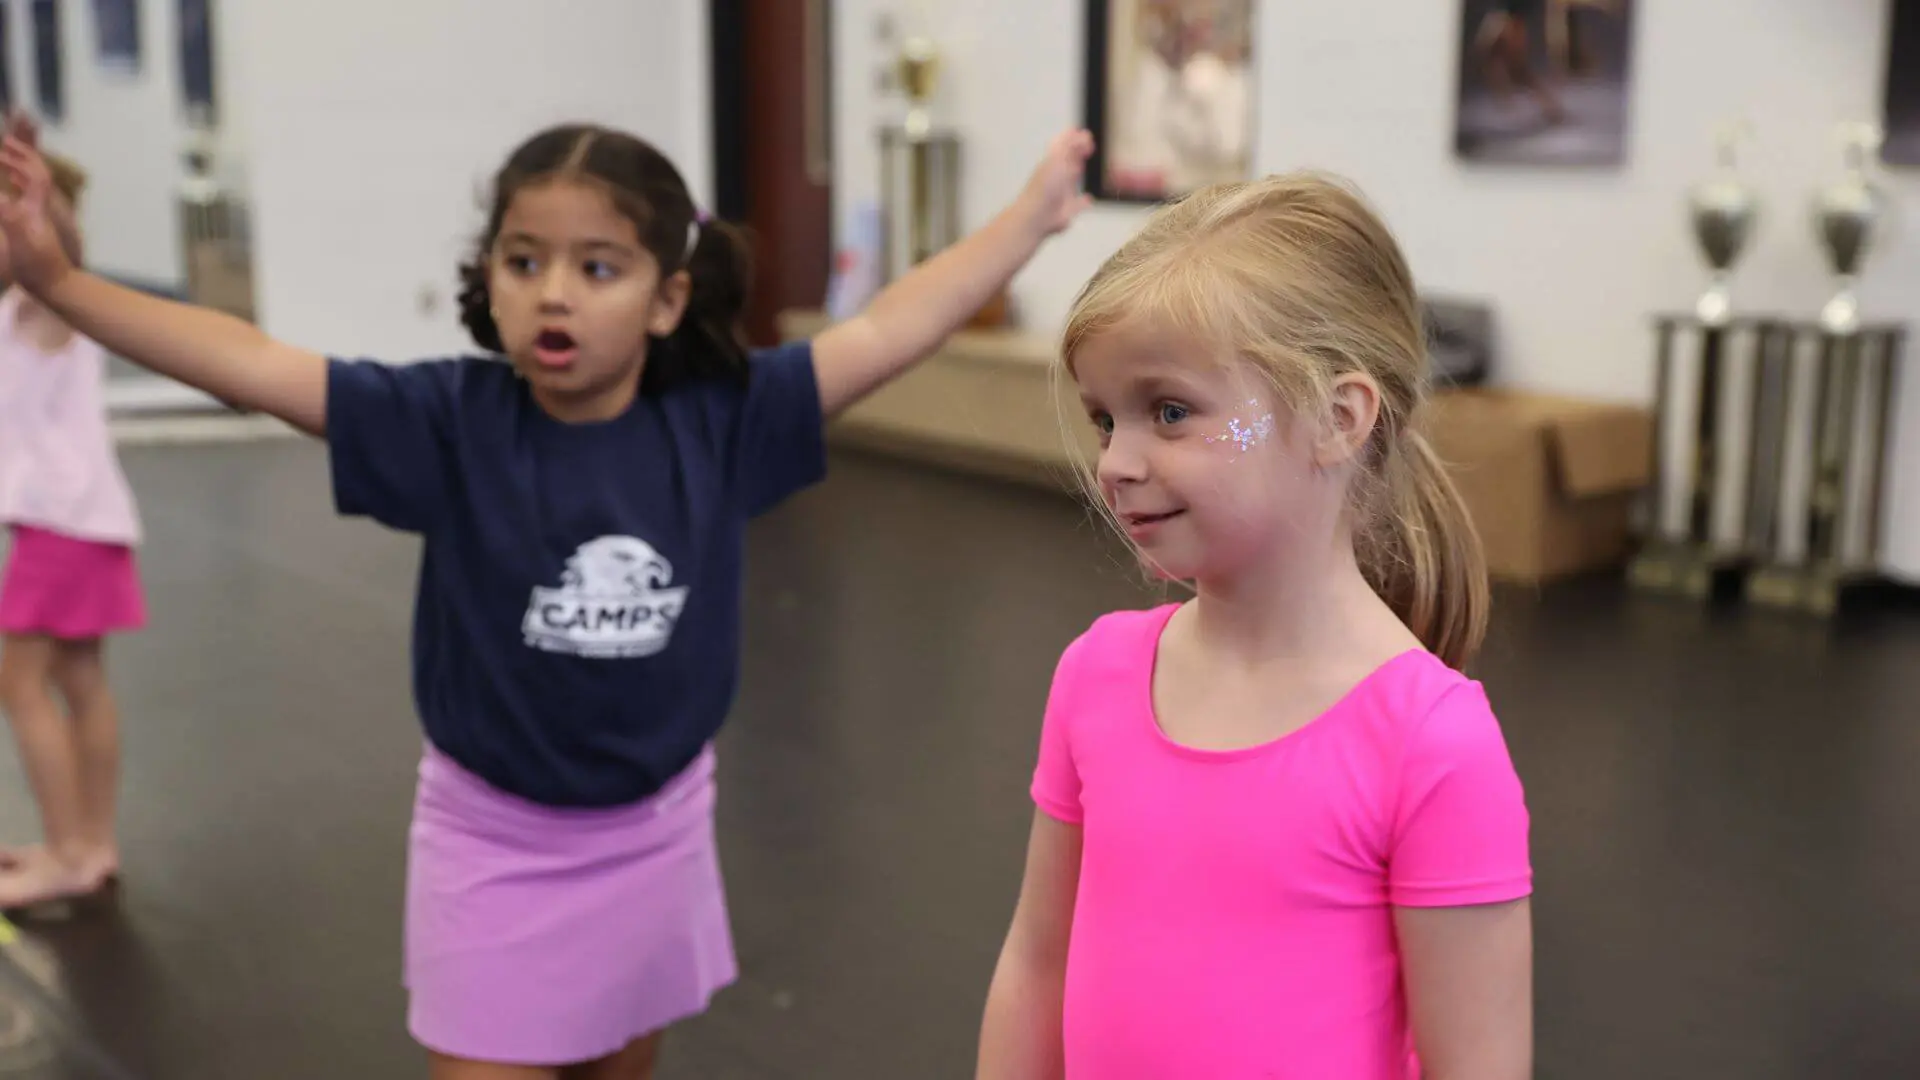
543	936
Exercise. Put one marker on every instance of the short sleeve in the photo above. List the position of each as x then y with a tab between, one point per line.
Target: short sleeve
387	436
781	445
1461	830
1056	779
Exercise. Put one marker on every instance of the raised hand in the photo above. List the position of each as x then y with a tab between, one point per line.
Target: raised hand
21	125
31	217
1052	196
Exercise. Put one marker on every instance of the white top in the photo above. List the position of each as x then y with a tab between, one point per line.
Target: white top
58	467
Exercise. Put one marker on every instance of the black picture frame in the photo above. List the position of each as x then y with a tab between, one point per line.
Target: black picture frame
1518	61
1900	88
8	96
197	88
49	74
116	34
1105	175
726	71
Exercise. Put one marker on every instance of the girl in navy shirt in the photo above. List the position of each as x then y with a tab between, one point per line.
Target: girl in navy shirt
582	504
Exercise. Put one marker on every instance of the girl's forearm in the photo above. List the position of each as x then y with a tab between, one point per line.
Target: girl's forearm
1020	1037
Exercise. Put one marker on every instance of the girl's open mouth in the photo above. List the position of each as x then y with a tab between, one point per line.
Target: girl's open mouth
555	349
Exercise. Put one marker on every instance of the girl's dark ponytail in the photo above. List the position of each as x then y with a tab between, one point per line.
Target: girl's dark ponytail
712	338
476	304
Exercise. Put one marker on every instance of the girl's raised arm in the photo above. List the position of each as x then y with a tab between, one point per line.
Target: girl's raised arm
224	356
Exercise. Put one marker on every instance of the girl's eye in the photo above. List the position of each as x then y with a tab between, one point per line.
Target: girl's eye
1172	412
1103	423
601	271
520	264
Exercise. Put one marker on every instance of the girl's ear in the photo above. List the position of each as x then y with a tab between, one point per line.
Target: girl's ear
1354	412
669	304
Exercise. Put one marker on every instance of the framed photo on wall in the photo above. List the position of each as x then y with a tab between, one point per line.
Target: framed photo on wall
116	32
7	98
1169	96
1544	82
1901	107
196	60
49	77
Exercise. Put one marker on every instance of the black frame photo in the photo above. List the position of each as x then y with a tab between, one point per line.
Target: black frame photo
49	74
196	60
116	34
1544	82
7	93
1170	96
1901	90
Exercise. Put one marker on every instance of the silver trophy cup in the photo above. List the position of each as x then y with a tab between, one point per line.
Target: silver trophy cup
1723	211
1847	216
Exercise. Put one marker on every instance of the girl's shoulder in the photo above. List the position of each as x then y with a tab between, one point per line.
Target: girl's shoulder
469	370
435	367
1130	625
1117	641
1416	704
780	365
28	331
774	383
1423	684
482	377
447	377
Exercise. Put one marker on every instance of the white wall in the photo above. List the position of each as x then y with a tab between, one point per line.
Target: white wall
374	127
1574	260
127	129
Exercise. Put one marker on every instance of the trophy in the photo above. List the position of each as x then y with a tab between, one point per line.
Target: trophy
920	167
1847	214
918	69
215	240
1723	211
1847	432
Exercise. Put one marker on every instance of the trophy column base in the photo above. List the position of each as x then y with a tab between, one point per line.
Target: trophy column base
1815	590
1677	569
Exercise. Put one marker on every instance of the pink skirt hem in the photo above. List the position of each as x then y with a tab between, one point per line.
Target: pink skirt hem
68	588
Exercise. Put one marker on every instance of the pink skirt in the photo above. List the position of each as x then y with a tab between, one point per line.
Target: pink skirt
62	587
541	936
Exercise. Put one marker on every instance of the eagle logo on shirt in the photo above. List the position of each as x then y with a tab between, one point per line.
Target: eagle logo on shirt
616	600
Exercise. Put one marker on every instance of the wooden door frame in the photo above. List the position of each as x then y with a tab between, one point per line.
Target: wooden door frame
726	57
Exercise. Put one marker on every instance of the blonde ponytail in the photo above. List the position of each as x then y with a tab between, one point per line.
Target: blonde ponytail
1423	555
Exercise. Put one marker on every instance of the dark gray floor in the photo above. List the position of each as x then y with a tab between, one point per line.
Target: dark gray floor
1727	827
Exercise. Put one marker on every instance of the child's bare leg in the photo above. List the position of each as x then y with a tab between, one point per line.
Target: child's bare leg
17	661
49	752
447	1068
80	671
633	1063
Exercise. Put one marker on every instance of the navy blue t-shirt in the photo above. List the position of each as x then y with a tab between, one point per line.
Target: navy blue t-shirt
576	632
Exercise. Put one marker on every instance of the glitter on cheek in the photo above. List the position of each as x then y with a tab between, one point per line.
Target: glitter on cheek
1246	436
